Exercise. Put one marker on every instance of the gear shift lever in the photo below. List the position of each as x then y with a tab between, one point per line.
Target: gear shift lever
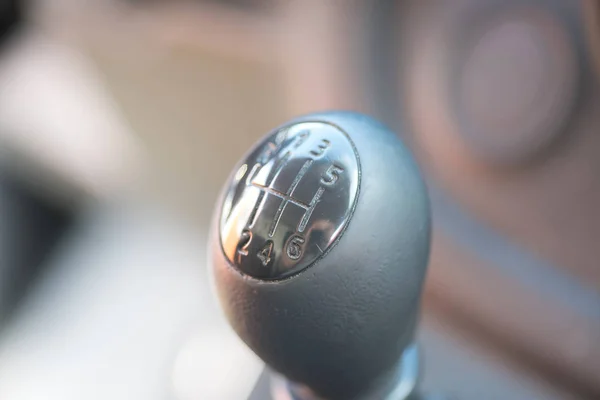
319	250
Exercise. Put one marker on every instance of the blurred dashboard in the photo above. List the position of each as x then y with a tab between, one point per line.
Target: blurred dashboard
152	102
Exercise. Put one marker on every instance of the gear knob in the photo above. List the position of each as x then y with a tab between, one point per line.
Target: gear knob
319	250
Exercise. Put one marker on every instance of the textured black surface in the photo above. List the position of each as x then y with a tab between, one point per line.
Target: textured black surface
342	323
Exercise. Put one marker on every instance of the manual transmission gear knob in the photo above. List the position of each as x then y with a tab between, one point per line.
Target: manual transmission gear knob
319	251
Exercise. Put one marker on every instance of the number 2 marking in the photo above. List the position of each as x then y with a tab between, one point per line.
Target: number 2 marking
244	242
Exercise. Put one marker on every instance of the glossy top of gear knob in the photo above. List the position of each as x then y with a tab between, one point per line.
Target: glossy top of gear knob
289	200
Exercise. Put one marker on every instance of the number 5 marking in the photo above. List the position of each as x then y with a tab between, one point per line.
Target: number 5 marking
332	174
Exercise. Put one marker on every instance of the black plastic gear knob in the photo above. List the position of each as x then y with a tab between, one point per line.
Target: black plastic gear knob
319	249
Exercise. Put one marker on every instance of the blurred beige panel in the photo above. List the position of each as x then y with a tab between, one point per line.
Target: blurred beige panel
194	82
321	54
59	129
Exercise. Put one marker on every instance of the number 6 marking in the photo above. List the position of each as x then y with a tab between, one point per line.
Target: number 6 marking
294	247
332	174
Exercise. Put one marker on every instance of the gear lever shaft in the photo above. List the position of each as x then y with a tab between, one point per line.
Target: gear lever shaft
319	250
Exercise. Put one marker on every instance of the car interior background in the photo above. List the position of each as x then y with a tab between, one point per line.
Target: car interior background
121	119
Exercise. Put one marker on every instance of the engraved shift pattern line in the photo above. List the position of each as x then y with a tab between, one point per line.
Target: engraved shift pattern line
254	212
261	196
289	193
253	171
282	195
311	208
285	197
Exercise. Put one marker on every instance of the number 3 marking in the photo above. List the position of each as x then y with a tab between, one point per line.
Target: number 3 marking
321	148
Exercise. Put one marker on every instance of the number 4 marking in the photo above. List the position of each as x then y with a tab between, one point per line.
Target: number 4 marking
264	254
